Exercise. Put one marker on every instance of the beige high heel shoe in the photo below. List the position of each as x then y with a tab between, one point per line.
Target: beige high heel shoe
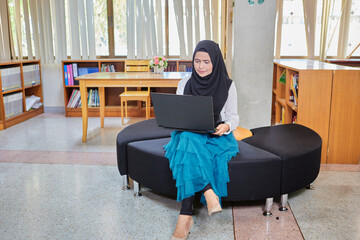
211	196
187	234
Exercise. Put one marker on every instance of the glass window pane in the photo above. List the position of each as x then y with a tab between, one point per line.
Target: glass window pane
293	39
174	44
318	27
11	4
333	30
101	28
120	28
354	29
23	30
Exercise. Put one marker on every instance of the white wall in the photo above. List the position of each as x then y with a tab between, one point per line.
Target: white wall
253	55
53	90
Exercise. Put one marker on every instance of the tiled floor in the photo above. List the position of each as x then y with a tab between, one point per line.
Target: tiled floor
53	186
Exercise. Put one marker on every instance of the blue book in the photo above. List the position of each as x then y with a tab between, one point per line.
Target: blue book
92	69
66	75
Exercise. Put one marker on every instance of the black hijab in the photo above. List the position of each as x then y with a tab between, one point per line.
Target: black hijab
216	84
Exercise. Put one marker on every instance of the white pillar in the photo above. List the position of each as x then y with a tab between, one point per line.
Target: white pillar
252	69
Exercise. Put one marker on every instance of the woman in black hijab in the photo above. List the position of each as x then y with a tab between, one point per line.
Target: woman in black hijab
199	161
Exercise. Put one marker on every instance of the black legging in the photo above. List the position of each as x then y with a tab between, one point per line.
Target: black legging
187	203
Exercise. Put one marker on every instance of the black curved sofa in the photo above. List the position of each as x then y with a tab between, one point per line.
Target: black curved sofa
273	162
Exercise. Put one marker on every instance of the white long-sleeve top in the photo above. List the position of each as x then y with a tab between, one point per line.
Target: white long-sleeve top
229	113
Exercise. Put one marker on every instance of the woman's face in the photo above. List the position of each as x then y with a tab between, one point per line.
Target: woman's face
202	64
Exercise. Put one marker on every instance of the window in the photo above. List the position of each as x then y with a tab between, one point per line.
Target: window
120	27
293	39
101	28
333	28
174	43
354	29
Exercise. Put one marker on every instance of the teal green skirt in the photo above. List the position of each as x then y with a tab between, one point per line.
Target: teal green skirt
199	159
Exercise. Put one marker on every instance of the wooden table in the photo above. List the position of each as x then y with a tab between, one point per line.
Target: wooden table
121	79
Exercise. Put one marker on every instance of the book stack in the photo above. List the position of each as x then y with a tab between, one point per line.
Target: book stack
32	102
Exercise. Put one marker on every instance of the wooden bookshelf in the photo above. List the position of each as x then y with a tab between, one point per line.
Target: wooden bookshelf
328	102
26	88
354	62
112	100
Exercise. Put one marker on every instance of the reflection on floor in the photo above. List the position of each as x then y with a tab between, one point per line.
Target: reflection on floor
53	186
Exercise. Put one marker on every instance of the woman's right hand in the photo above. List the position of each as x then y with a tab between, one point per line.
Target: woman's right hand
221	129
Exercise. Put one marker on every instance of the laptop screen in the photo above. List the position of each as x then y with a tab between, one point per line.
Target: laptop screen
184	112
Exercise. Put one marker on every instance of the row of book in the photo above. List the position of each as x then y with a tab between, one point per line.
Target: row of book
31	74
10	78
92	98
294	89
13	104
108	68
184	68
71	71
282	118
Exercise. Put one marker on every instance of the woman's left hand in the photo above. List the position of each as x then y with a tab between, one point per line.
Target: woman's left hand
221	129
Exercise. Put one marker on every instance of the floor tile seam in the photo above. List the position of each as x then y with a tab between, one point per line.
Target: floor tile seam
292	212
233	216
48	151
76	160
70	164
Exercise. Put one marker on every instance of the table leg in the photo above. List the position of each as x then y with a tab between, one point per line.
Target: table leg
84	109
102	105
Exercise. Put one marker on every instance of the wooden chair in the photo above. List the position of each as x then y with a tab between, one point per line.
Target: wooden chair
138	95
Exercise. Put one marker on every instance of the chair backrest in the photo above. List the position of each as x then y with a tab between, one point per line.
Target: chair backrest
137	66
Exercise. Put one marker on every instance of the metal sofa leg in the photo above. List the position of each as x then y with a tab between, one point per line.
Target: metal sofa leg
137	189
125	182
284	199
268	205
310	187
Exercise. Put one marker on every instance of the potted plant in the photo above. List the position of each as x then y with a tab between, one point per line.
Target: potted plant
159	64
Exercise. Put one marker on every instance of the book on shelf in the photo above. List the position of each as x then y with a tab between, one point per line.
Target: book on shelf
66	76
282	115
294	88
182	68
87	70
282	78
10	78
108	68
75	73
93	98
294	118
71	71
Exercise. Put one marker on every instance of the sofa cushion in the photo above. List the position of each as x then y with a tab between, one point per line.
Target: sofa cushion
298	147
147	129
254	174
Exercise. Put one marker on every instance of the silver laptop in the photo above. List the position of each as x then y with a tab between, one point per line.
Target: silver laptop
184	112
